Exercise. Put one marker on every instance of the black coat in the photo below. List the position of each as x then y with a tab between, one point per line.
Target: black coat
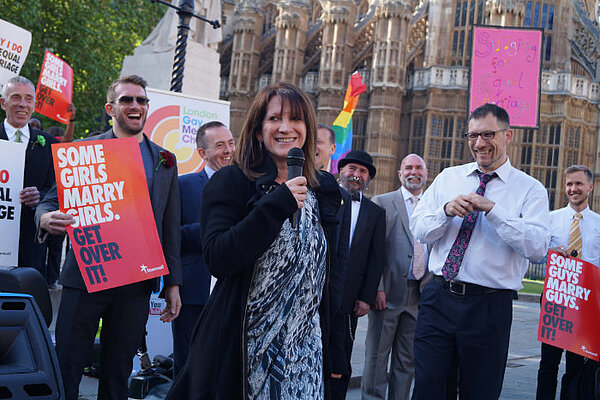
239	221
39	172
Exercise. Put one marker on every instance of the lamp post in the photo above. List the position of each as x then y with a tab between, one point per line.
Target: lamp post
185	10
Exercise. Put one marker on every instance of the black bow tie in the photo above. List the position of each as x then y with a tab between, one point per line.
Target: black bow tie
356	196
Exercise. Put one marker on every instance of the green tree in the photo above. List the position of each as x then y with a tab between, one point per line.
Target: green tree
92	36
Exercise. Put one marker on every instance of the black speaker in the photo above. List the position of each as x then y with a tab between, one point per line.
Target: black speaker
30	281
28	365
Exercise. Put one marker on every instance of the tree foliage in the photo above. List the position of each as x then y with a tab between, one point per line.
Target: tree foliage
92	36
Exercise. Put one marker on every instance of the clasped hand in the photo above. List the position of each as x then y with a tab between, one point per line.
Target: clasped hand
463	204
298	188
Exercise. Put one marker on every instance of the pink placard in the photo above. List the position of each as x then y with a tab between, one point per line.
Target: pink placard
505	70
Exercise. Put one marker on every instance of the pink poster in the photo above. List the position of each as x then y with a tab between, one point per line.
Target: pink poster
506	70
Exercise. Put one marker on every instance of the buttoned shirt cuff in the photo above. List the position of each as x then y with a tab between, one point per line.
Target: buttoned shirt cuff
440	216
497	215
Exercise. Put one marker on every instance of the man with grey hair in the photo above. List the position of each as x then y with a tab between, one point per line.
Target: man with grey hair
216	147
18	101
393	319
575	231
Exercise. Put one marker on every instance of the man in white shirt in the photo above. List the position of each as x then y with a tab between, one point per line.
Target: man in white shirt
483	220
574	228
393	319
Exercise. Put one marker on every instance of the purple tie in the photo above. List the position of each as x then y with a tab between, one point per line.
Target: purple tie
457	252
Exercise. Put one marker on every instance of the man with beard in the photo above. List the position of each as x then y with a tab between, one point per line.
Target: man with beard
365	260
124	309
574	228
392	321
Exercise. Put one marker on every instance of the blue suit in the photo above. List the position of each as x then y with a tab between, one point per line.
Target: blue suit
196	279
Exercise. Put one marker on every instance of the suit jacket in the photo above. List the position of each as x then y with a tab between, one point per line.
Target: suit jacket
39	172
398	247
366	259
164	197
196	277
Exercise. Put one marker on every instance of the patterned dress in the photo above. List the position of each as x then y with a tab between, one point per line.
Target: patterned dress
282	332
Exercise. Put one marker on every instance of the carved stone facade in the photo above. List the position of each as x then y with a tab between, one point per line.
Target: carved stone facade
414	57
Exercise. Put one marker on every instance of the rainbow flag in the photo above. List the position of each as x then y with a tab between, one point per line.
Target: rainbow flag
343	123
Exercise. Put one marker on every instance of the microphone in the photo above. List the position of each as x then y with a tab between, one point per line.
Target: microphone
295	164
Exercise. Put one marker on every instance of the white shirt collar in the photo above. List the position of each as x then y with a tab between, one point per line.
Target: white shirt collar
583	212
408	195
209	171
11	130
502	171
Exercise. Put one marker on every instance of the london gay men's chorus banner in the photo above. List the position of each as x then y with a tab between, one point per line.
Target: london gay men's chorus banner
103	185
14	46
54	89
571	306
12	162
506	70
173	120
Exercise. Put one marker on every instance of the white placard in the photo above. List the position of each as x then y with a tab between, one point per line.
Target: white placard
14	47
12	167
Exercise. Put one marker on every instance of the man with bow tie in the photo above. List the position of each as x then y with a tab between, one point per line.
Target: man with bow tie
366	255
393	319
484	221
18	101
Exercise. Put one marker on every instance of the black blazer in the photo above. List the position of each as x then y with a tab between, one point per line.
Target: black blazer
367	256
164	197
39	172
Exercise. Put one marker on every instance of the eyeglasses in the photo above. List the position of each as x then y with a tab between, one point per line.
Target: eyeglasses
126	100
487	135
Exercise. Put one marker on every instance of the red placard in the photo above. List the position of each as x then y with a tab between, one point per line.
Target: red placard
570	312
506	69
103	185
54	89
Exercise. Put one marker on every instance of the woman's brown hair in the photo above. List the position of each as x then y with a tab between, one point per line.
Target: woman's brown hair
249	153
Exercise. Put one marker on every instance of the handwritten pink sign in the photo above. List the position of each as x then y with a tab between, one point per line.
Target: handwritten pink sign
505	70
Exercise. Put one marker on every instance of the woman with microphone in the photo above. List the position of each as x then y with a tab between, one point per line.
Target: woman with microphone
263	332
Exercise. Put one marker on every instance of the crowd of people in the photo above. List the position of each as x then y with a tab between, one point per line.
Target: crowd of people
298	259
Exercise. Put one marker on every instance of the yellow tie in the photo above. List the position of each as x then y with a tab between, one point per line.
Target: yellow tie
18	136
575	235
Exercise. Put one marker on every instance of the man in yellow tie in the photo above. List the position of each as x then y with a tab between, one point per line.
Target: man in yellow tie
18	101
575	231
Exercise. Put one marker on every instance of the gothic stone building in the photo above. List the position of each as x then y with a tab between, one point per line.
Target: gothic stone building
414	57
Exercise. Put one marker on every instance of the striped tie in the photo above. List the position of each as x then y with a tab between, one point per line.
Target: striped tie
575	235
18	136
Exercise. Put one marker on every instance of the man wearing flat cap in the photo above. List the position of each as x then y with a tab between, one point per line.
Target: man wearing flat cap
366	258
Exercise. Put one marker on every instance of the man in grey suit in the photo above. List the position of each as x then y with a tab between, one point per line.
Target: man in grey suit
123	309
392	321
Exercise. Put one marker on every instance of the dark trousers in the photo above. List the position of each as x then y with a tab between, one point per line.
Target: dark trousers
55	252
182	328
124	312
339	387
474	330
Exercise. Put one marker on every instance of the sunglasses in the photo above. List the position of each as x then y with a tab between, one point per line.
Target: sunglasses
126	100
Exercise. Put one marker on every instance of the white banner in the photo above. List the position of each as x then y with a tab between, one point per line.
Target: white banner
14	47
12	167
173	120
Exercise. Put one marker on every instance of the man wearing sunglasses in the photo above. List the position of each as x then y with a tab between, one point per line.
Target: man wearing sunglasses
483	221
124	310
